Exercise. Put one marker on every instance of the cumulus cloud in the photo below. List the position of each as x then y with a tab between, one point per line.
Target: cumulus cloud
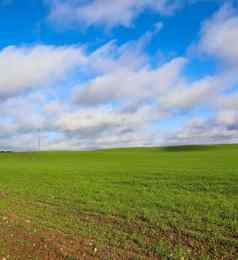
229	101
144	97
105	127
206	91
25	67
38	65
129	84
105	12
91	119
71	128
219	35
116	96
110	57
222	128
166	86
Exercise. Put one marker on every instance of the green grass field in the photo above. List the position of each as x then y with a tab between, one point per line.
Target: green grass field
138	203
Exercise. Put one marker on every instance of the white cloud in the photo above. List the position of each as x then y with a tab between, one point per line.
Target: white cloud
166	86
219	35
228	118
229	101
110	57
186	96
104	126
94	127
129	84
25	67
72	128
199	93
222	128
105	12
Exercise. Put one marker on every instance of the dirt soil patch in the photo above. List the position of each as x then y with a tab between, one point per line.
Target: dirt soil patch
20	239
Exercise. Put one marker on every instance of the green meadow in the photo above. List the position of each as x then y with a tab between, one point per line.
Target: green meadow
136	203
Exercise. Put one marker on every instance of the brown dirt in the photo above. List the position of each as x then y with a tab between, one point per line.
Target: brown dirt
20	239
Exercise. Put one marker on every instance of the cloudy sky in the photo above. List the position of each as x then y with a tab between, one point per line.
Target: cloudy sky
101	73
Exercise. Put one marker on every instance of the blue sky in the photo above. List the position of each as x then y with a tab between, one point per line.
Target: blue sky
102	73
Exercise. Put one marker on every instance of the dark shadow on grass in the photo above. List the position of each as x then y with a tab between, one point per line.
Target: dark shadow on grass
188	148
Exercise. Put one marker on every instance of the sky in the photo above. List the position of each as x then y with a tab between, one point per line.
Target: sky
87	74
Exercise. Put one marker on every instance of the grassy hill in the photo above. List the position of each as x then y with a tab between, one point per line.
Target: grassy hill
137	203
